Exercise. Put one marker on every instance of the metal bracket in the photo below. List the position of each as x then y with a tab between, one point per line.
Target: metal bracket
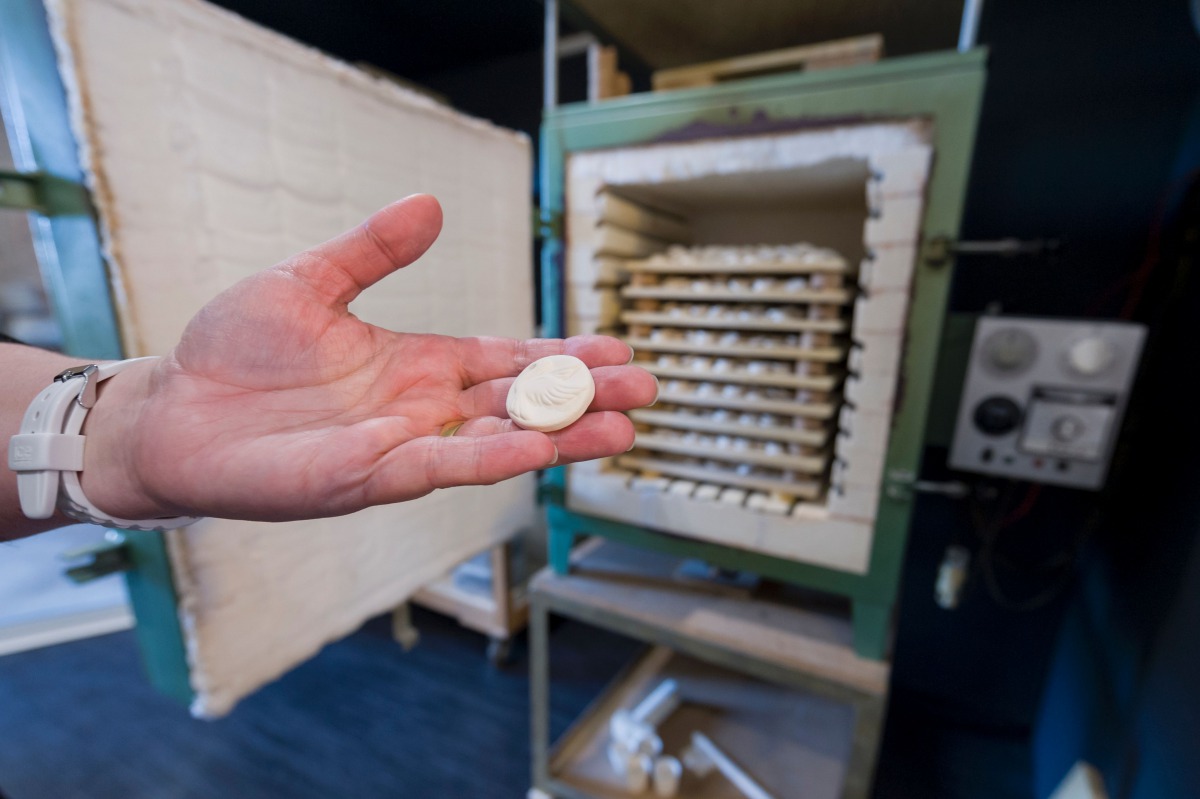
44	193
109	556
901	485
940	249
898	483
546	226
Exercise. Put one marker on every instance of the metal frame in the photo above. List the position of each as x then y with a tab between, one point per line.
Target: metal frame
499	616
945	87
869	709
66	239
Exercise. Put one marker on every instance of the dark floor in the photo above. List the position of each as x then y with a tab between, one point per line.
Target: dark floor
926	754
365	720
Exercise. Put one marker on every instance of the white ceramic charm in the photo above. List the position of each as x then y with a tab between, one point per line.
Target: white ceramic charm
551	393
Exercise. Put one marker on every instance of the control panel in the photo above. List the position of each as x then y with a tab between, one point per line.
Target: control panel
1043	399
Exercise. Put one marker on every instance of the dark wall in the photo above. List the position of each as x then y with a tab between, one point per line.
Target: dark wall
1124	691
1081	133
1081	126
1089	132
410	38
508	90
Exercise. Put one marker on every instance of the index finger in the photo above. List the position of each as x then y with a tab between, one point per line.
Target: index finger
483	359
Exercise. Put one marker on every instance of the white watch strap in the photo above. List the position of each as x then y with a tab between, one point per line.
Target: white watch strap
47	453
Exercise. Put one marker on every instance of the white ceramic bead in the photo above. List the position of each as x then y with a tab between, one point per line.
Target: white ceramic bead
551	393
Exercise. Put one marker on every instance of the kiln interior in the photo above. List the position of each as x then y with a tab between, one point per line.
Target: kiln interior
738	271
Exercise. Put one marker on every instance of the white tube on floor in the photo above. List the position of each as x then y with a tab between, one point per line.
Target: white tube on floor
658	704
702	745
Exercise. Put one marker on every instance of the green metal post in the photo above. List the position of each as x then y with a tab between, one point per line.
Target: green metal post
539	687
34	107
560	542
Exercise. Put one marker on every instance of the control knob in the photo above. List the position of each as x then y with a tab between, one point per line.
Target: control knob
1090	356
1067	428
1010	350
997	415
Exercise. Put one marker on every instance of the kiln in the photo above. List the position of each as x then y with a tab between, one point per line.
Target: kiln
760	247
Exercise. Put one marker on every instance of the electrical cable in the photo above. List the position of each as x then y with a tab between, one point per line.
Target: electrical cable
1137	280
1022	510
989	526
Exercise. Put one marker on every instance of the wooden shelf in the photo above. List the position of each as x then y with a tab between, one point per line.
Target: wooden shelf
743	377
795	488
722	268
472	609
778	296
834	354
808	464
812	635
781	407
717	323
498	612
768	678
681	421
773	733
810	58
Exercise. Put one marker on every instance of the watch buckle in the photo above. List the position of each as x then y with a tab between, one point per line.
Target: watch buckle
87	392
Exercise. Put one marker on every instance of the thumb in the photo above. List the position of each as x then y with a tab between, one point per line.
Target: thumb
388	240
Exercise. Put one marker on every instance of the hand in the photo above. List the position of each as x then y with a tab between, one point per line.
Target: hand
278	403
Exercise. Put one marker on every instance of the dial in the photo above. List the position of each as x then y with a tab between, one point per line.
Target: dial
1091	356
997	415
1010	350
1067	428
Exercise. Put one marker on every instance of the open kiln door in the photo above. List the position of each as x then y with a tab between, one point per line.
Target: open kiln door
214	148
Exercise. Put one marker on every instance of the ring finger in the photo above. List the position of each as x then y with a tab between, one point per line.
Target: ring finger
595	435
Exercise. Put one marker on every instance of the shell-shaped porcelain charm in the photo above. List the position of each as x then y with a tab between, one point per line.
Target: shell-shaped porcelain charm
551	393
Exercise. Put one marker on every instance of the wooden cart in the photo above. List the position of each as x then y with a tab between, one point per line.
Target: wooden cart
500	613
777	683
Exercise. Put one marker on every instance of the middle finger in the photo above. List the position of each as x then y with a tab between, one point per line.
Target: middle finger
618	388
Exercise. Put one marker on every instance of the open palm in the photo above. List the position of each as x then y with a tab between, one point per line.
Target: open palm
278	403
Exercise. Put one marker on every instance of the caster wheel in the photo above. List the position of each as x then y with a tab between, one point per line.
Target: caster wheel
499	651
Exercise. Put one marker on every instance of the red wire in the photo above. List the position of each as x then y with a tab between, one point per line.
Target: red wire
1022	510
1138	278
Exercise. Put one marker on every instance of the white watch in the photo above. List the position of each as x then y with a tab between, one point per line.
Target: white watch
47	453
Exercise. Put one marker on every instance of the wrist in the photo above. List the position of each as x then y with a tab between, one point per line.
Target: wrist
114	474
50	456
28	370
